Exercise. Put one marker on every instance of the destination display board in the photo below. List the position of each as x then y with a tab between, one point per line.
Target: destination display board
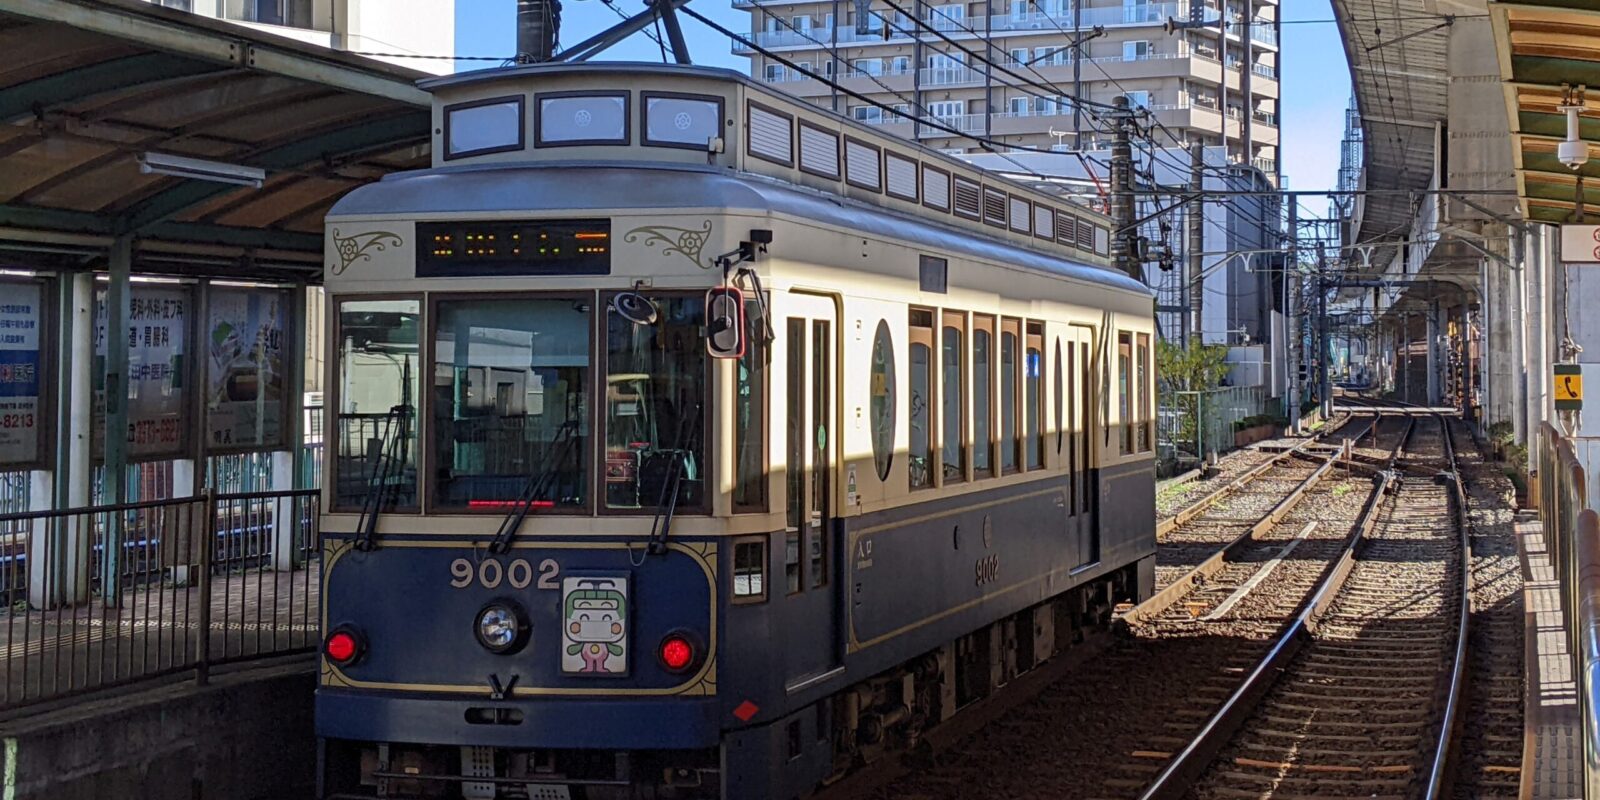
541	247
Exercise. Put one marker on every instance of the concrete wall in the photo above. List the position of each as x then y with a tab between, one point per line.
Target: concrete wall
246	736
390	26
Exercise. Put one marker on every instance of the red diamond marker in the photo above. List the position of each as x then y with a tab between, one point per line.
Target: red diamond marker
746	710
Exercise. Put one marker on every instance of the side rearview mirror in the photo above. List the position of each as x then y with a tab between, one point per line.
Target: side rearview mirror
725	328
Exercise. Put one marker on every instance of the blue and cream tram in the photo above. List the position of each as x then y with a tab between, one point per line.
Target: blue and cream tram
694	442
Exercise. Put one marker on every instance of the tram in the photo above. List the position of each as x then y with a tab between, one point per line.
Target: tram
691	441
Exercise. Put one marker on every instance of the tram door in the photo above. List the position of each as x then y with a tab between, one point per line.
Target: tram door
811	548
1087	393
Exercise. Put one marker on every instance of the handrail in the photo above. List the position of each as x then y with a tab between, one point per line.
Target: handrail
141	505
1572	539
1587	653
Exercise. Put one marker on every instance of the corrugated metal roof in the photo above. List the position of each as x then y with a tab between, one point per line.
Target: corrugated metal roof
88	85
1398	53
1542	45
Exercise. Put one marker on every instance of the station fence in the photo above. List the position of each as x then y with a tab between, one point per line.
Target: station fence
1572	538
101	596
1192	424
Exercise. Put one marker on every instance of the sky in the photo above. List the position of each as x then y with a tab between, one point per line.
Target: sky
1315	77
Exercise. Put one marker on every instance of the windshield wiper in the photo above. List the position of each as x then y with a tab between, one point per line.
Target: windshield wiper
667	503
386	465
538	483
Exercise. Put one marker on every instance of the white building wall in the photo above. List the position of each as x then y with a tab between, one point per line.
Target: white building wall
419	27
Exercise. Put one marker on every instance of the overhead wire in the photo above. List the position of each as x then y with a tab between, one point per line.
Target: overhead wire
988	143
922	110
1051	90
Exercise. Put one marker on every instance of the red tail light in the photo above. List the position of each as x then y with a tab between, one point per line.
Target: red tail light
676	653
343	646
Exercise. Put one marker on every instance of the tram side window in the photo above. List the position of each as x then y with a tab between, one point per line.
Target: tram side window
655	387
749	424
749	571
510	403
952	408
795	471
1145	412
1009	378
379	382
1033	406
921	399
1061	398
983	396
1086	403
1125	389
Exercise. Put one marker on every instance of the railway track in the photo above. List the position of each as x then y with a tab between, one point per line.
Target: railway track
1198	539
1490	750
1323	655
1187	650
1360	695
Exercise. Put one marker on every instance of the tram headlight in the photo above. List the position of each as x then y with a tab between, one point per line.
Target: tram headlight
502	627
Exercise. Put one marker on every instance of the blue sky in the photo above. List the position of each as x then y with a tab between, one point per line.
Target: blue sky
1316	80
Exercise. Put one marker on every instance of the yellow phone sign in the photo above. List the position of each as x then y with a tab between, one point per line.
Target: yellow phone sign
1569	387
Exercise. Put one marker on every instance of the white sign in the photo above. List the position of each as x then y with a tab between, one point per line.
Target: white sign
1580	243
157	381
19	373
244	368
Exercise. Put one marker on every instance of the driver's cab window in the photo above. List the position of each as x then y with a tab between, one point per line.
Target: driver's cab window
510	408
655	391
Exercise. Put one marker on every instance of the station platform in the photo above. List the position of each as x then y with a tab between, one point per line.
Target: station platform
1552	763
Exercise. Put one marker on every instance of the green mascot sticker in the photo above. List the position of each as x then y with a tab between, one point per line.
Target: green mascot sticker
594	631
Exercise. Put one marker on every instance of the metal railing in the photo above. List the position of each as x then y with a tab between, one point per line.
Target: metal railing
101	596
1572	540
1191	425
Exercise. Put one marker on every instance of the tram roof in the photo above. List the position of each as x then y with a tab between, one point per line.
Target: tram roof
555	187
88	85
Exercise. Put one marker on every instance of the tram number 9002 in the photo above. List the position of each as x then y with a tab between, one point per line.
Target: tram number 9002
490	573
987	570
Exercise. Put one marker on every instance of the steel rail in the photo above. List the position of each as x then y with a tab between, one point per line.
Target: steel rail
1179	775
1175	591
1438	774
1198	507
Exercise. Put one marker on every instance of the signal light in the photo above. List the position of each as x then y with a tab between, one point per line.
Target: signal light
343	646
676	652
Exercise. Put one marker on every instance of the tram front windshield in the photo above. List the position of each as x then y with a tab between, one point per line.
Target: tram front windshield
512	409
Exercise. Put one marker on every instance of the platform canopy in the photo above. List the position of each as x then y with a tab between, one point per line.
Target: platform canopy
1544	45
1398	64
87	86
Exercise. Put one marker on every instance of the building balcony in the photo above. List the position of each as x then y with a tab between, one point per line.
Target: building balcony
1193	67
959	28
949	76
1206	119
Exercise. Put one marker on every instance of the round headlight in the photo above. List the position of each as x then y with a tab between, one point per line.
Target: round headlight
500	627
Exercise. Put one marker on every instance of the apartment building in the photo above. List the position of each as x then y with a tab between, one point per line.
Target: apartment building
403	27
1185	78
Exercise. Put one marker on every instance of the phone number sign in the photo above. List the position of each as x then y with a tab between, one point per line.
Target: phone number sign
20	376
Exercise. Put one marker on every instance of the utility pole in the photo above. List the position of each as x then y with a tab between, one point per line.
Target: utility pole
1194	283
1291	322
537	21
1124	255
1077	81
1197	22
1325	345
1222	88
